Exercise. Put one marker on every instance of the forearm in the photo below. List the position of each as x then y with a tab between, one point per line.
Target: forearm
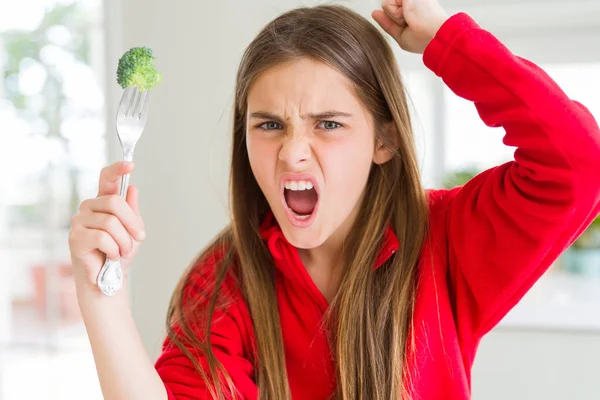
124	368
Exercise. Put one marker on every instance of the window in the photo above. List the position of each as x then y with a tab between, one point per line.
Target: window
471	144
51	148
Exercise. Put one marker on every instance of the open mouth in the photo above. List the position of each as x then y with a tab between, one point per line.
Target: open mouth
301	198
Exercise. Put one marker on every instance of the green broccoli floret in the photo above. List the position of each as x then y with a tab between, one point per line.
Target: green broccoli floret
136	69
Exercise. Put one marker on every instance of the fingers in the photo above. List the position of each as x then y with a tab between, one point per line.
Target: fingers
108	223
84	241
119	208
111	175
133	198
391	3
395	13
105	243
387	24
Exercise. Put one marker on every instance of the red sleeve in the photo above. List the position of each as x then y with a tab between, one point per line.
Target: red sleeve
507	225
230	334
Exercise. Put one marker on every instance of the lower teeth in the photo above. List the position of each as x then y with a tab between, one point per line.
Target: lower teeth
301	216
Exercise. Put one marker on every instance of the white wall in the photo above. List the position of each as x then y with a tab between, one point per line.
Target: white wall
182	165
536	365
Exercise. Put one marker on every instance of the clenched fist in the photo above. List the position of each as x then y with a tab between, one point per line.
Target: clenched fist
412	23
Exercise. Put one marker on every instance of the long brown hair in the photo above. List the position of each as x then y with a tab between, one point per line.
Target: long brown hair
369	319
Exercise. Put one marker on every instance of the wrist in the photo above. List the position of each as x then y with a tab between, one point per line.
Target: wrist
435	26
88	294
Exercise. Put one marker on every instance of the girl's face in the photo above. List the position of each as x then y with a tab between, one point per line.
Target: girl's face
311	145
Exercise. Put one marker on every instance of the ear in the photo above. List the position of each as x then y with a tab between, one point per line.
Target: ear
389	140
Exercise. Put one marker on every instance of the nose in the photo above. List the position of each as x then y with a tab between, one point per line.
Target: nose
295	150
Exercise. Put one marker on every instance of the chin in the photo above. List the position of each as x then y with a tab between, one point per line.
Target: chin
303	238
307	233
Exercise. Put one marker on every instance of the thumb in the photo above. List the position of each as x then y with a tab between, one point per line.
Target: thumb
410	41
388	25
133	197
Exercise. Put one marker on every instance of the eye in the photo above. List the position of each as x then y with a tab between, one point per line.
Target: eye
270	126
329	125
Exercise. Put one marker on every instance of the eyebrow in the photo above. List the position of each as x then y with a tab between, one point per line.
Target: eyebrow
322	115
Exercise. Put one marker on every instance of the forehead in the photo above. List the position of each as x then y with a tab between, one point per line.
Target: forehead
305	84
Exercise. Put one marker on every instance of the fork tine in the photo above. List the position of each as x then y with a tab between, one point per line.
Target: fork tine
125	102
133	105
142	110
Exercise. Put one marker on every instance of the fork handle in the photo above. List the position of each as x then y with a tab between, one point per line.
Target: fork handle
128	157
110	278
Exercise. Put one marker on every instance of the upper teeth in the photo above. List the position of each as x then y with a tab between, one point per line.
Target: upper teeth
298	185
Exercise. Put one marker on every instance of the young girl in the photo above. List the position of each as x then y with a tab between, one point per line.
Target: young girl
339	276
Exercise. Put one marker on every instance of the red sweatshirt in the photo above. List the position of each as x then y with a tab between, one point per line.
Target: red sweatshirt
490	239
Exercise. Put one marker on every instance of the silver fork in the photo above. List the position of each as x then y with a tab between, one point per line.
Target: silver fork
131	120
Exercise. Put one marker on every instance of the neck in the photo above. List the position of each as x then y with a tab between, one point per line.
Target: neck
325	257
